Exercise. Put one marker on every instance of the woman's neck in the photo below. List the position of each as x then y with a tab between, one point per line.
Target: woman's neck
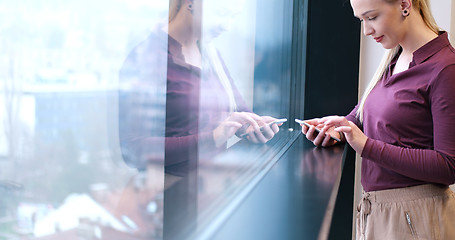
181	29
416	35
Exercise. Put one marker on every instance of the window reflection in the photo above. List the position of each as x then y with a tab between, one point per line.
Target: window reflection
118	120
180	93
61	171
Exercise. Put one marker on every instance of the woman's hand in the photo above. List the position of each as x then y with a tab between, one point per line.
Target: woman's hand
354	136
252	122
321	138
266	131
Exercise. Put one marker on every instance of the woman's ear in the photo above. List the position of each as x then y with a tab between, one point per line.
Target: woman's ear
189	5
406	6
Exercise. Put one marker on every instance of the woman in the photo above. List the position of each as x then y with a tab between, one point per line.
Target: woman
179	93
403	127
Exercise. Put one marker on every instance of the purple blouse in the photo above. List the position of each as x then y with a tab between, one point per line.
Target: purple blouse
188	105
409	118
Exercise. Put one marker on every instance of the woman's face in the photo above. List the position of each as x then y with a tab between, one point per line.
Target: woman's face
210	18
217	16
381	20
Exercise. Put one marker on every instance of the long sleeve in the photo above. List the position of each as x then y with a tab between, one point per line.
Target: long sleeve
437	164
352	116
420	164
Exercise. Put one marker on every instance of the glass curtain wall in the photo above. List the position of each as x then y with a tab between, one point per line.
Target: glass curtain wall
137	119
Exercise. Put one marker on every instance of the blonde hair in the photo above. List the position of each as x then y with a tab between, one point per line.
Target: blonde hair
423	7
174	8
212	61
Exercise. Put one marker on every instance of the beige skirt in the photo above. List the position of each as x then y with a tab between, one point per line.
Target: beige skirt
419	212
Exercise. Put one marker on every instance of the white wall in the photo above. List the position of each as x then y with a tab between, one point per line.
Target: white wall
443	13
452	27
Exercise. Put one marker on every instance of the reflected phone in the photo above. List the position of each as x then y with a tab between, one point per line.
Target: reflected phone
317	129
278	121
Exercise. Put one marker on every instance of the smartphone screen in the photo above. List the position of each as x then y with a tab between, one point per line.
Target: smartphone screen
317	129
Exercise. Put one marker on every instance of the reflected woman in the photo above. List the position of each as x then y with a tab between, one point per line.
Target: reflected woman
177	94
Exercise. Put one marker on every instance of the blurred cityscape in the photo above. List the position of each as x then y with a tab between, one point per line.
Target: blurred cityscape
60	166
62	175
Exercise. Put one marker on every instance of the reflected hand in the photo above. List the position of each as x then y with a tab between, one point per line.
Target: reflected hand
321	138
354	136
234	122
266	132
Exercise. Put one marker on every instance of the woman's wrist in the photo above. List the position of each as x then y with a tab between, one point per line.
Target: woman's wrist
217	137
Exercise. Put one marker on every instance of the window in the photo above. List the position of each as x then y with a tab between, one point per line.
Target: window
107	112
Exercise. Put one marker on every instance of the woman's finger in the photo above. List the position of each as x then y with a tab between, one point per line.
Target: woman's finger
246	118
328	141
310	134
332	121
321	135
252	138
260	135
304	128
232	124
345	129
275	128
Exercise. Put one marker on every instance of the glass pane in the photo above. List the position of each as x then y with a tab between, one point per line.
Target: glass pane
251	41
124	119
62	169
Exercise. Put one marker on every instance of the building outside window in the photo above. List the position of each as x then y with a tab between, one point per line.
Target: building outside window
79	82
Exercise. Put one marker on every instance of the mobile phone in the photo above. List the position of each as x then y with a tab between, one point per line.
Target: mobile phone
278	121
317	129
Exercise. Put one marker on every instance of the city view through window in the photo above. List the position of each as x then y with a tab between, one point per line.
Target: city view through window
84	150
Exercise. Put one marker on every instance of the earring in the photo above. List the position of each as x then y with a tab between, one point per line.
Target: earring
405	12
190	8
